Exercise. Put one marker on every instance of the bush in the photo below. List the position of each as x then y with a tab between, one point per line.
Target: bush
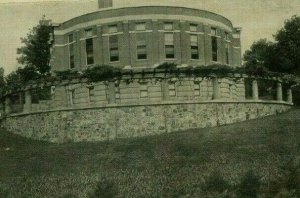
167	66
249	186
103	72
219	70
216	183
67	74
104	189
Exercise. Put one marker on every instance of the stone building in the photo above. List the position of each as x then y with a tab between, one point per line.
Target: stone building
146	99
144	37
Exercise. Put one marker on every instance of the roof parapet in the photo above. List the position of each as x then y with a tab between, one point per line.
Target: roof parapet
105	3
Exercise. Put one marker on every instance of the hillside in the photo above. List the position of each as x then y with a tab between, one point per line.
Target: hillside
183	164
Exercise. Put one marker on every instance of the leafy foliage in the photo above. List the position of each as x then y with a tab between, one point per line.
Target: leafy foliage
36	50
67	74
101	72
287	57
281	56
167	66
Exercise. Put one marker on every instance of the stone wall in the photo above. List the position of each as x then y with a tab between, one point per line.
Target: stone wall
121	121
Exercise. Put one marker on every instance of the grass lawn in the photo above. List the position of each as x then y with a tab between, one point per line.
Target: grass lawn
168	165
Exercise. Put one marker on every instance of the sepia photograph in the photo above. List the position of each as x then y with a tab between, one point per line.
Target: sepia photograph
149	99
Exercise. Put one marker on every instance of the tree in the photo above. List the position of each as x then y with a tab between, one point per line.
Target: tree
281	56
20	77
259	57
35	54
288	46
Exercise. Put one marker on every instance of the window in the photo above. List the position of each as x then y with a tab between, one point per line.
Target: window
169	45
196	89
88	33
89	51
214	44
112	29
144	91
71	51
117	91
72	96
226	36
113	48
168	26
213	31
141	47
193	27
227	53
140	26
172	90
70	38
194	47
91	93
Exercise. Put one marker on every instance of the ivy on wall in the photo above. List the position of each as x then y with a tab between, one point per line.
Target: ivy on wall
107	72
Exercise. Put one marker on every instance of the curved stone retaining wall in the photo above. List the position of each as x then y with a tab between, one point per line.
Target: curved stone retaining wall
124	121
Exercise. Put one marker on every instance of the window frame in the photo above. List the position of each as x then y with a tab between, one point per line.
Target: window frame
139	24
170	45
71	48
111	49
194	45
166	26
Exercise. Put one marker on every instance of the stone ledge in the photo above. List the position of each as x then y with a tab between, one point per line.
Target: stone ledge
220	101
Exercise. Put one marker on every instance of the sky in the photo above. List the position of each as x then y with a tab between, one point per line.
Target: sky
258	18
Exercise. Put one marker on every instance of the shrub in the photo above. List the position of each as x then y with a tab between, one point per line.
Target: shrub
219	70
67	74
102	72
167	66
249	186
104	189
216	183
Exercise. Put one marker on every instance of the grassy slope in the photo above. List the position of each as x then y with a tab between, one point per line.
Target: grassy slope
158	166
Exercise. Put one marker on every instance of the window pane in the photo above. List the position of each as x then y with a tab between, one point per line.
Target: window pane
113	47
141	52
213	31
169	38
194	52
88	33
71	49
140	26
114	54
193	28
89	51
169	51
214	45
194	40
226	36
168	26
141	39
70	38
227	53
72	62
71	56
112	29
113	39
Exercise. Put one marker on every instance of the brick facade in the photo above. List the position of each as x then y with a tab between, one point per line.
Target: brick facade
154	18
